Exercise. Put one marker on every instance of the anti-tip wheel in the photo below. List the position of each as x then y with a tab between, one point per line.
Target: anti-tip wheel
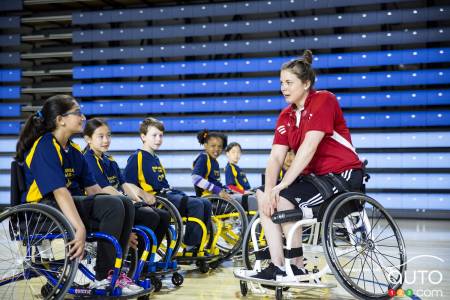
177	279
244	288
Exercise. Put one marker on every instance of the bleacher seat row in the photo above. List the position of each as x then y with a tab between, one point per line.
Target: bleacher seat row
321	61
211	10
266	45
267	25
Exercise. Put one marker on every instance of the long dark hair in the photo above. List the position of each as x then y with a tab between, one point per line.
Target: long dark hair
204	136
41	122
302	68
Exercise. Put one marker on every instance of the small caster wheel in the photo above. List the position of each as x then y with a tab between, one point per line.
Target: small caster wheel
46	290
203	267
214	264
157	283
177	279
279	293
244	288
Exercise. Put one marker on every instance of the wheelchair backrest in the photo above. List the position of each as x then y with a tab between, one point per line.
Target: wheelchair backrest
18	186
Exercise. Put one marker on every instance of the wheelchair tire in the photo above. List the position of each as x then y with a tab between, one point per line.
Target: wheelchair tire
239	223
369	247
27	225
247	245
131	262
176	221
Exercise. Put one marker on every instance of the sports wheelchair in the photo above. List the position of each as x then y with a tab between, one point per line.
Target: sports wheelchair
361	245
220	240
34	254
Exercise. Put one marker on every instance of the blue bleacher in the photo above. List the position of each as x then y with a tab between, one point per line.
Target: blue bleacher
321	61
260	141
9	92
210	10
270	25
413	201
10	40
10	110
11	75
10	22
11	5
9	127
267	122
260	103
266	45
233	85
9	58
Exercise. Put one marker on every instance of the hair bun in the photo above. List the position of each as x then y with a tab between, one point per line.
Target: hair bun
308	56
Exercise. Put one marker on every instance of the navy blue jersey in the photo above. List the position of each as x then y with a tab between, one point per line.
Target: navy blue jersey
208	168
235	176
105	170
48	166
145	170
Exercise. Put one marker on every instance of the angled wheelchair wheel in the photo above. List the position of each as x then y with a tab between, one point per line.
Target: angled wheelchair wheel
176	221
364	246
234	224
34	260
249	247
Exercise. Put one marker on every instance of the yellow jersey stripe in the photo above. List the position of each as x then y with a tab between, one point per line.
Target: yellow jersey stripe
30	155
235	174
141	178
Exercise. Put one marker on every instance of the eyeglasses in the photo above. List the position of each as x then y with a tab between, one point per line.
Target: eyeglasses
75	113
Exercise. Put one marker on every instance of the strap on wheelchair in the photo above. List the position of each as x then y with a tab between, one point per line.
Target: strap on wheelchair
320	185
294	252
365	175
184	206
339	182
262	254
244	202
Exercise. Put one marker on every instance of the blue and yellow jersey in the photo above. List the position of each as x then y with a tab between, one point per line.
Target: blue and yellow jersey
209	169
145	170
105	169
235	177
48	166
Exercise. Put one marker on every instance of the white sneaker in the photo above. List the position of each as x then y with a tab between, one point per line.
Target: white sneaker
100	284
127	288
127	285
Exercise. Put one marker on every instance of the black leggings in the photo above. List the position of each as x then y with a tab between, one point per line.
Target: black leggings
156	219
113	215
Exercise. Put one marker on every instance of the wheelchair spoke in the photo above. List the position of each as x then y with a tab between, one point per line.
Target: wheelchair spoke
384	238
363	270
381	267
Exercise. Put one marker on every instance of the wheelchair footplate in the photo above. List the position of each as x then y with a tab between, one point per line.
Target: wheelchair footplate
89	293
258	286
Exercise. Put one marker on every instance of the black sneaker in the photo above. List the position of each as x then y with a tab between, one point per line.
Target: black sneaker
270	273
299	271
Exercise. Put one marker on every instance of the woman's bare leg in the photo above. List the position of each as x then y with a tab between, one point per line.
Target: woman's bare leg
272	233
284	204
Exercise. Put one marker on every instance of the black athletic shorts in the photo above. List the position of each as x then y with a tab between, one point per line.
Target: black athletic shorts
303	192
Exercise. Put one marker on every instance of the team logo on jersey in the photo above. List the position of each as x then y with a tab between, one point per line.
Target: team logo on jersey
281	129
